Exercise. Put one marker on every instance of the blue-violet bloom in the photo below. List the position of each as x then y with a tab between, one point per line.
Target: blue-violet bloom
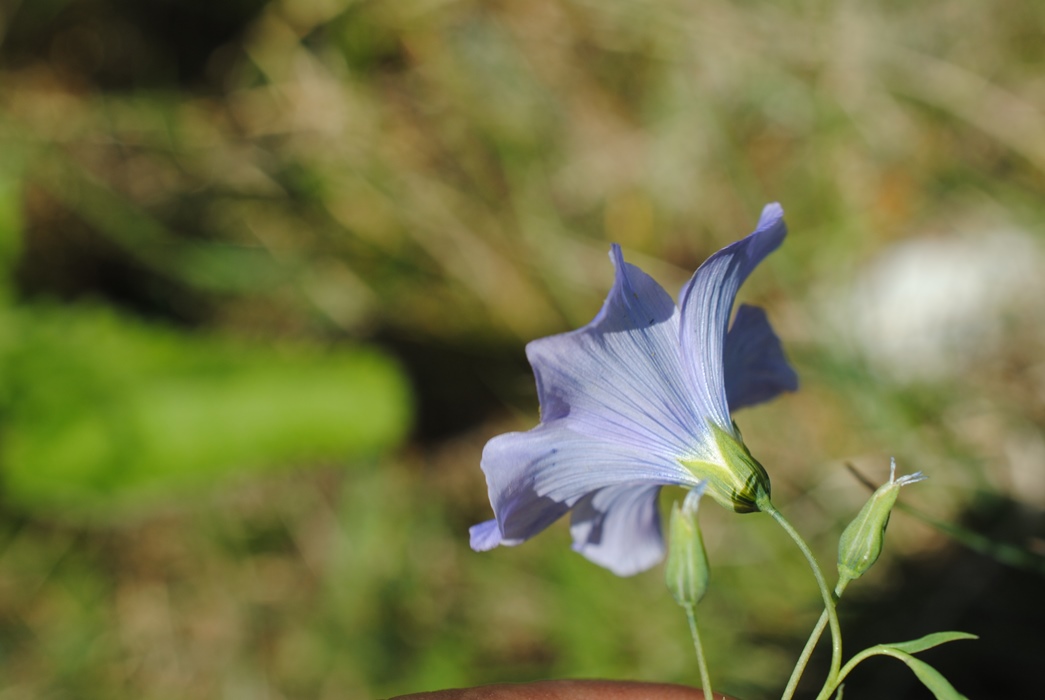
638	399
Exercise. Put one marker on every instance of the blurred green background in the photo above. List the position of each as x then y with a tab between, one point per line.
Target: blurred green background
266	273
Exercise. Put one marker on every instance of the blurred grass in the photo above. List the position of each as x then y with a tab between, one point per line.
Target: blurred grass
258	187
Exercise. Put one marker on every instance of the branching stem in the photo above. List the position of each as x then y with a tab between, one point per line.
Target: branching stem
814	637
825	592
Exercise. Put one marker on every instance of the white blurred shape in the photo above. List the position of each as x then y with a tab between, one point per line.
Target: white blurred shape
930	308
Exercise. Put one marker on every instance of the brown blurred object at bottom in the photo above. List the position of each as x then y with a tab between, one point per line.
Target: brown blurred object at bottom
568	690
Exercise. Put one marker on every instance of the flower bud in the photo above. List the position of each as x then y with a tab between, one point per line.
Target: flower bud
862	540
687	568
739	482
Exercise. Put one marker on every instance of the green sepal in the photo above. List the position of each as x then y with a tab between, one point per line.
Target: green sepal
739	482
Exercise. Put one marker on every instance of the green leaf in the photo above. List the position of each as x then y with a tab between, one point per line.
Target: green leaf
929	641
903	650
930	677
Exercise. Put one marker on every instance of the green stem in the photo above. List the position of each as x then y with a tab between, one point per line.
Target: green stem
825	592
705	678
814	637
866	653
803	659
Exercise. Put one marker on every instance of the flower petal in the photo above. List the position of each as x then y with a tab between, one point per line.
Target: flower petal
537	476
706	301
619	528
484	536
756	369
620	377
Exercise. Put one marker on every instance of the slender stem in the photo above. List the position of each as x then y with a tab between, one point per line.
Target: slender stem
803	659
825	592
705	678
814	637
872	651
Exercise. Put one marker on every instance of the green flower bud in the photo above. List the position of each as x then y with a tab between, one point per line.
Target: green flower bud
687	568
862	540
739	482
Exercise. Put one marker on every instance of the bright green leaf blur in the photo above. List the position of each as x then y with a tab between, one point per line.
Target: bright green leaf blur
101	410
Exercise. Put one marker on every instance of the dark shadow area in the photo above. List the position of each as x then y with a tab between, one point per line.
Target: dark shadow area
126	44
65	259
458	387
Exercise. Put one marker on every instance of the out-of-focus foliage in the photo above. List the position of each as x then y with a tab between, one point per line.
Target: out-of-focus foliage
100	411
442	178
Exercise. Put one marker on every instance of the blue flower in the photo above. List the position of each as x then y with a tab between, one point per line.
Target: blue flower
638	399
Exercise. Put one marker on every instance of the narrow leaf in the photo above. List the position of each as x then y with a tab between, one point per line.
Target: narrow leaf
930	677
929	641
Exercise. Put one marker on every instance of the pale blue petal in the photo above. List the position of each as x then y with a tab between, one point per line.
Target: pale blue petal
619	528
624	398
484	536
537	476
706	302
620	378
756	369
